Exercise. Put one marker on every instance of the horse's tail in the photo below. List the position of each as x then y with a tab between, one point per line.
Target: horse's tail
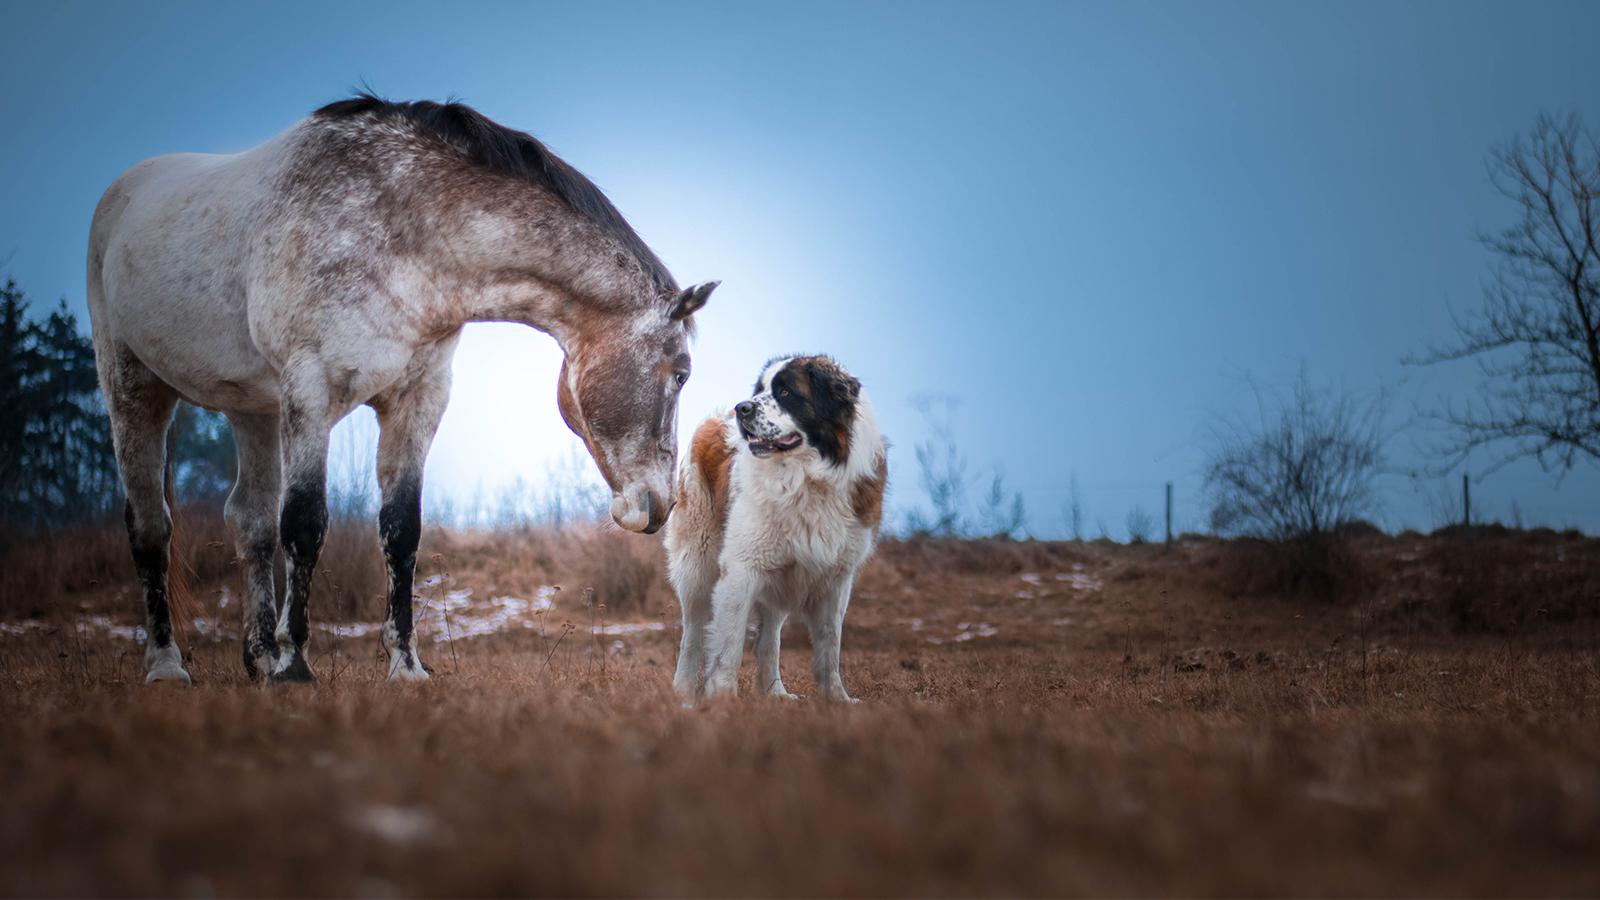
180	600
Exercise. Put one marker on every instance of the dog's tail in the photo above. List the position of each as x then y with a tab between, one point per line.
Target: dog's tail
180	599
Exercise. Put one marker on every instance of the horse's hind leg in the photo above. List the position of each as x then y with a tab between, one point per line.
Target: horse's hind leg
407	419
140	406
252	513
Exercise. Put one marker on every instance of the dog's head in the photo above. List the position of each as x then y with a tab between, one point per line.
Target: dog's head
800	402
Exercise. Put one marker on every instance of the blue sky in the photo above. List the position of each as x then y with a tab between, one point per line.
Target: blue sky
1090	224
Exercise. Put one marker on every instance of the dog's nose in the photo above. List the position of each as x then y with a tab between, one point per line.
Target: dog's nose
745	409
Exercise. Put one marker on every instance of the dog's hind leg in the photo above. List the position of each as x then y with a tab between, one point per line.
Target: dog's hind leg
694	596
730	614
769	638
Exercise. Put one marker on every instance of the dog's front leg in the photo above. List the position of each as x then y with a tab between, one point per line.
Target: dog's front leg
826	620
769	641
730	613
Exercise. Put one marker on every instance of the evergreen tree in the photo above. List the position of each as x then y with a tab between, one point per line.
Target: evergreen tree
68	437
16	365
57	464
200	446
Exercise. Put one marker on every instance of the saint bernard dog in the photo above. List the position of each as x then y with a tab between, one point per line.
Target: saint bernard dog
778	508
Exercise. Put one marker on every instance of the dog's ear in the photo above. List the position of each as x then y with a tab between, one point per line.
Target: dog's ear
832	383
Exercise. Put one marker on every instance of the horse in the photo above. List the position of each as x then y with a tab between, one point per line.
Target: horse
333	266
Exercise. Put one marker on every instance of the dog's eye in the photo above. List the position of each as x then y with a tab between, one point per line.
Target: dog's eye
781	392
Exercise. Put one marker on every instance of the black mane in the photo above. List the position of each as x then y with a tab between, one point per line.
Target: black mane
506	151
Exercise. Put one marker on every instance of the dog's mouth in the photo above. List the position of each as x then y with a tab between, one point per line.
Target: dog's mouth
762	448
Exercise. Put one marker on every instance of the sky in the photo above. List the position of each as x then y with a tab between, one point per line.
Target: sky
1086	229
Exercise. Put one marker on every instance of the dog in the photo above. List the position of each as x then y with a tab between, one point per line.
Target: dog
779	505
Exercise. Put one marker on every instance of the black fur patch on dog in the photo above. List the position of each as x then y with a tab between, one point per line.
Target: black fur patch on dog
821	397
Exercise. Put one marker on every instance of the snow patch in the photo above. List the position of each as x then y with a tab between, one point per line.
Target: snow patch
455	614
966	631
1078	579
395	824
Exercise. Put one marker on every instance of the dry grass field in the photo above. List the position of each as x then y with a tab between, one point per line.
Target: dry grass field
1037	719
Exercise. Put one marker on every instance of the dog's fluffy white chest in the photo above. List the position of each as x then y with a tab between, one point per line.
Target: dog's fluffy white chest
794	525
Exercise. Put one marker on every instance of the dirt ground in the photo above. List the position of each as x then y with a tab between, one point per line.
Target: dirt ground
1037	719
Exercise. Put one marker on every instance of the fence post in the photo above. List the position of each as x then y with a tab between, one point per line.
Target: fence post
1169	514
1466	500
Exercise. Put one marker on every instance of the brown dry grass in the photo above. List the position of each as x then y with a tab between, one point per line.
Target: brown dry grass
1116	725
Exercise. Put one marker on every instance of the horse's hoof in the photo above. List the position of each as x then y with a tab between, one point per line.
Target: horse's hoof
260	658
171	673
164	664
401	673
295	672
404	666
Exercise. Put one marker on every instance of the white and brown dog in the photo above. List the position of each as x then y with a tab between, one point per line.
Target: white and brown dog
778	508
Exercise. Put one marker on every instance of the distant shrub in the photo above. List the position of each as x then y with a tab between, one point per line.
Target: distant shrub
623	569
1253	567
1359	528
1141	525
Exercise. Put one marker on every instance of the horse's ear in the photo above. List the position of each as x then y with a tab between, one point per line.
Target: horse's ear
688	301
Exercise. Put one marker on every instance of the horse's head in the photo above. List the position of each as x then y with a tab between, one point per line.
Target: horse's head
619	392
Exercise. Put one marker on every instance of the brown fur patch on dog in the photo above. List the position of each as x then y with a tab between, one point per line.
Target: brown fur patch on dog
866	495
713	459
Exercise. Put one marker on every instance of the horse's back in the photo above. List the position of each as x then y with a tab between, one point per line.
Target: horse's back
169	257
140	193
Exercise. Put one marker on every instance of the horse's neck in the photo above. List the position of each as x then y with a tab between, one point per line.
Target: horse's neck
540	266
535	261
523	301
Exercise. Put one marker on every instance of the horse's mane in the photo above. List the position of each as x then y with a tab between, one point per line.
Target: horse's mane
505	151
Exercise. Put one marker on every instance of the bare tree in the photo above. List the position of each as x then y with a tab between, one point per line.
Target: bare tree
942	470
1303	470
1537	338
1003	513
1074	510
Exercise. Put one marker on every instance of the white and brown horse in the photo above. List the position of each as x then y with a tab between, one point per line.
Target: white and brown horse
335	266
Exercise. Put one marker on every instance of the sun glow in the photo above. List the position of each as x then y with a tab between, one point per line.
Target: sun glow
502	422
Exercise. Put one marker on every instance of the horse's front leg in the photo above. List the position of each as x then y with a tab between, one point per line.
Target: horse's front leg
407	419
302	524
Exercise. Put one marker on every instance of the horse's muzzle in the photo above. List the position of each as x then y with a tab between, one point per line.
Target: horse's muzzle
640	510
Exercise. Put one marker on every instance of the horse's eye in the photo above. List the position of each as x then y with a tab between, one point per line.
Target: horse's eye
680	378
